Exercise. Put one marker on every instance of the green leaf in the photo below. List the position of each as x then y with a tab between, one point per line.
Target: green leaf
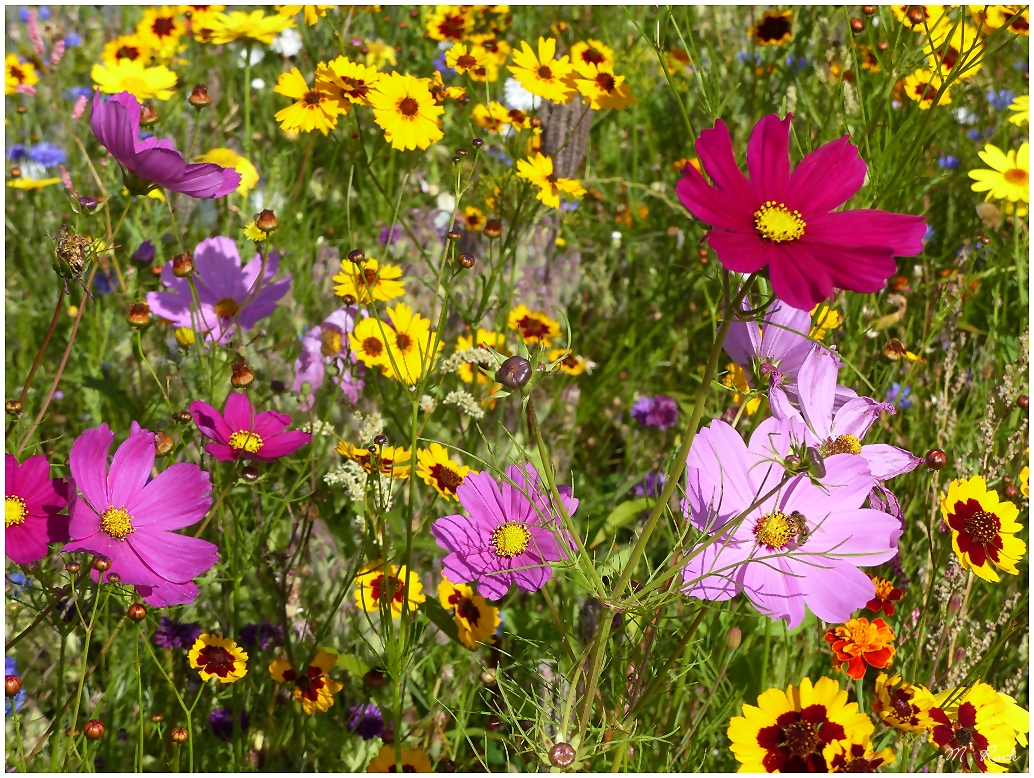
353	664
441	618
619	517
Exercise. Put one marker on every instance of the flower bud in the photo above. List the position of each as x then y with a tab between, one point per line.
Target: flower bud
562	755
733	639
488	678
1023	401
243	376
101	564
136	612
954	604
148	116
857	26
447	766
156	718
375	678
467	261
267	221
139	315
73	567
87	203
13	408
182	265
493	229
348	299
179	735
514	372
816	464
916	16
163	443
356	256
93	729
868	10
456	160
372	448
199	97
477	143
114	578
250	473
381	440
12	685
1011	492
936	459
144	254
454	235
883	45
16	172
276	386
182	416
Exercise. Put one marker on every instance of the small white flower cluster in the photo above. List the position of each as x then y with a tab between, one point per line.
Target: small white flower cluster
351	477
321	428
427	404
369	426
466	403
481	356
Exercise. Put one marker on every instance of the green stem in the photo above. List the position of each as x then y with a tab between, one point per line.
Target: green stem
662	675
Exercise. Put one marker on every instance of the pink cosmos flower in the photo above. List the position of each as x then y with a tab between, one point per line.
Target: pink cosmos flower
116	123
32	505
117	513
510	537
227	291
239	432
328	344
801	546
787	222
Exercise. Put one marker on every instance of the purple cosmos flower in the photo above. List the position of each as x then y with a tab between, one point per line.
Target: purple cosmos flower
116	123
240	432
230	295
175	634
127	516
264	634
660	411
32	509
367	721
801	546
510	537
328	344
221	721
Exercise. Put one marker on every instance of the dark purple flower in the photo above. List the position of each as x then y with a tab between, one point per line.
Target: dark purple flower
390	235
175	634
116	123
651	485
660	411
144	254
16	153
221	721
105	282
264	634
367	721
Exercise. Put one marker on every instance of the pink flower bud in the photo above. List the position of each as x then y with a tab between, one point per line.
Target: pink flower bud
25	89
34	36
66	179
80	106
57	53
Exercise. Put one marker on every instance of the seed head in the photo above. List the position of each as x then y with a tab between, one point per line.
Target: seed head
936	459
348	299
114	578
87	203
93	729
136	612
199	97
562	755
868	10
456	160
462	152
13	408
101	564
267	221
73	567
156	718
493	229
1023	401
857	26
381	440
514	372
467	261
243	376
148	116
883	45
1011	492
16	172
454	235
250	473
477	143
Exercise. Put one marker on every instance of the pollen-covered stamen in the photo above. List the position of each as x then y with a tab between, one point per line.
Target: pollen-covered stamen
330	342
245	440
983	527
117	523
510	539
226	307
802	738
843	444
14	511
776	530
777	223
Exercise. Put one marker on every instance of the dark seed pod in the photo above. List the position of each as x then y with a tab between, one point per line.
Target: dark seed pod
454	235
562	755
348	299
1023	401
936	459
456	160
356	256
477	143
156	718
1011	492
88	204
277	386
199	97
868	10
267	221
493	229
447	766
101	564
883	45
12	685
467	261
73	567
381	440
462	152
16	172
114	578
816	464
137	612
182	416
857	26
514	372
179	735
250	473
372	448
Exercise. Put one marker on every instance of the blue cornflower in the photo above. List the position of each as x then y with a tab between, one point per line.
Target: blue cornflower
42	13
16	153
975	135
1020	66
74	93
948	162
73	39
1000	99
500	155
797	64
439	64
899	396
928	235
105	282
18	582
47	154
568	206
11	668
745	56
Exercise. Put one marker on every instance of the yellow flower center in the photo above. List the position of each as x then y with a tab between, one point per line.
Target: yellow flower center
244	440
845	444
511	539
116	522
14	511
775	530
226	308
777	223
330	343
1016	176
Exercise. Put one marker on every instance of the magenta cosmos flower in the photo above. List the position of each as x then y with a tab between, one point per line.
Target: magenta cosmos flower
32	507
510	537
787	222
328	344
239	432
117	513
116	123
801	546
227	291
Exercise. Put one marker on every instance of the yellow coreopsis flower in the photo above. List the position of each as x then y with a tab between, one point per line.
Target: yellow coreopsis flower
1020	108
379	54
230	158
592	52
922	87
492	117
774	28
161	30
217	657
476	620
389	461
474	218
413	761
313	13
405	109
534	326
901	705
569	362
131	47
469	372
464	60
369	281
983	528
449	22
313	687
131	76
918	17
1017	17
377	583
438	469
955	47
539	171
244	26
856	755
368	342
1009	176
736	378
314	109
1025	481
409	343
18	73
543	75
602	89
348	82
824	319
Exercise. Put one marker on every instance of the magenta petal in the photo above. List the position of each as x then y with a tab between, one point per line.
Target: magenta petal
899	232
270	423
784	337
175	558
168	594
494	586
797	277
863	269
210	422
480	497
178	497
26	542
459	533
741	252
219	265
131	467
88	461
458	570
83	520
281	445
768	156
714	147
743	343
714	573
531	579
238	412
855	417
826	178
222	452
713	206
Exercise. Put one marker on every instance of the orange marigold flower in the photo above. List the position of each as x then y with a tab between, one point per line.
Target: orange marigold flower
858	643
886	596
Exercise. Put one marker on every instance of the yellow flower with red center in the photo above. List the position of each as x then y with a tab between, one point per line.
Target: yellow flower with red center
368	341
973	726
570	363
313	108
476	620
923	86
886	596
379	584
736	378
1020	108
474	218
901	705
347	82
18	73
314	688
161	29
468	371
243	26
955	47
543	75
391	461
602	89
856	756
438	470
492	117
534	326
773	28
466	60
449	22
539	171
789	731
993	17
1025	481
312	13
983	528
440	92
217	657
413	761
131	47
859	643
592	53
369	281
405	109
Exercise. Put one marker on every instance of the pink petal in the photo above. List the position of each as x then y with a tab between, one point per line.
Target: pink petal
222	452
269	424
173	557
797	277
816	383
714	147
460	533
887	461
856	416
718	467
88	461
774	591
785	337
826	178
480	497
26	542
178	497
862	537
238	413
713	206
743	343
899	232
280	445
210	422
130	467
768	156
714	573
836	590
168	594
741	252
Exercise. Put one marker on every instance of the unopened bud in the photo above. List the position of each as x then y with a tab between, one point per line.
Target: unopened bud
93	729
1023	401
136	612
101	564
954	604
1011	492
356	256
144	254
562	755
816	464
959	655
936	459
733	639
139	315
179	735
148	116
267	221
493	229
381	440
73	567
199	97
276	386
182	265
87	203
375	678
156	718
243	376
13	408
163	443
454	235
868	10
477	143
467	261
348	299
12	685
857	26
514	372
182	416
456	160
16	172
250	473
114	578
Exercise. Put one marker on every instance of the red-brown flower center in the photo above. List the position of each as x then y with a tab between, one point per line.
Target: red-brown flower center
466	61
446	478
605	81
127	52
592	57
216	660
403	341
313	98
163	26
373	346
983	526
408	106
469	611
545	73
533	328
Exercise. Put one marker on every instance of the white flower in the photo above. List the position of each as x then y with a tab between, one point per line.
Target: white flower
466	403
427	403
351	477
258	84
257	54
288	43
516	96
964	115
369	426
